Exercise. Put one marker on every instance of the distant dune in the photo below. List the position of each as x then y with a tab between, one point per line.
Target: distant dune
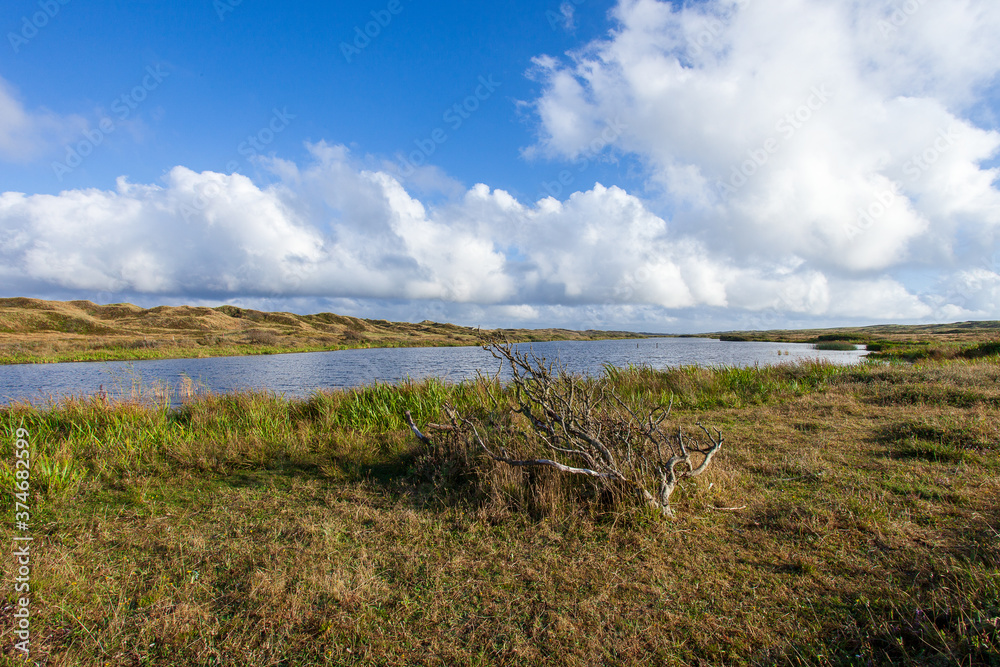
33	330
955	332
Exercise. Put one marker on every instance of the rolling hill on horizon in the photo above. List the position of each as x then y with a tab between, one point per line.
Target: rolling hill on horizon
39	330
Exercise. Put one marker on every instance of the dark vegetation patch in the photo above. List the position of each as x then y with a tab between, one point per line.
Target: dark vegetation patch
943	440
928	394
232	311
282	318
23	302
261	337
841	337
840	346
69	324
140	344
990	349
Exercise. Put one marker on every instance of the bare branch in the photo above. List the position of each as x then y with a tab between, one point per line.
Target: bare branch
413	427
568	417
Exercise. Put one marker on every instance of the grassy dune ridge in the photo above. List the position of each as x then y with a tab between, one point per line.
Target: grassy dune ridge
912	342
852	518
899	333
32	330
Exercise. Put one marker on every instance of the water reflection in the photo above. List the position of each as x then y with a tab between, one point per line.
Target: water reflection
301	374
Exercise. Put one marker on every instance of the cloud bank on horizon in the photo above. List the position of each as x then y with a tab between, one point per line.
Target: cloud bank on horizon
802	161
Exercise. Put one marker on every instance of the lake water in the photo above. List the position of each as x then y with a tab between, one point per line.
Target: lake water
301	374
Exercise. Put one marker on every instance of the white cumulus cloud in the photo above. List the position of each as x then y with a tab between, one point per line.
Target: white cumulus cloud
334	229
804	162
27	133
836	134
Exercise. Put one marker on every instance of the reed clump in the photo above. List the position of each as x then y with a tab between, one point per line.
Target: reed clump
840	346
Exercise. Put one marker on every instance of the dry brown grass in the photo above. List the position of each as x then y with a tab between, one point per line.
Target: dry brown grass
32	330
250	530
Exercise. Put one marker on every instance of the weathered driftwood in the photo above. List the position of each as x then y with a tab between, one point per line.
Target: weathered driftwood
572	419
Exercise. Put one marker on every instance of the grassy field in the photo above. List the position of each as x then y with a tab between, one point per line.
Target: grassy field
33	331
936	340
851	518
890	341
900	333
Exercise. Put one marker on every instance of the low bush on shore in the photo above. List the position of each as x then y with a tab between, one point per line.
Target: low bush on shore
851	519
838	346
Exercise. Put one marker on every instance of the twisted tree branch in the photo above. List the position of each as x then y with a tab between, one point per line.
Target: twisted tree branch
569	417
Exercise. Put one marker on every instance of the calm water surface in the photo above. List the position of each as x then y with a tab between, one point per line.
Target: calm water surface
301	374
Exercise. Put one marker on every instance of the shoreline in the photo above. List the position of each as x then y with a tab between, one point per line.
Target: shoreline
211	353
35	331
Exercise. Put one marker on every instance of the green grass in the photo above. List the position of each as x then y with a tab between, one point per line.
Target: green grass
912	351
835	346
129	353
851	519
698	387
958	331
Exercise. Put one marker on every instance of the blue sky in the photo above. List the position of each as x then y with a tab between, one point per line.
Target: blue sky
228	67
634	164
